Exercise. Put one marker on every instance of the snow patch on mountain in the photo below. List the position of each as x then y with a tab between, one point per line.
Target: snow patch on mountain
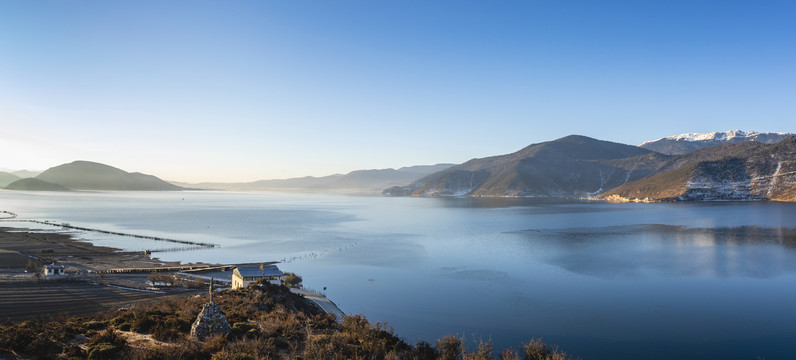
727	136
707	189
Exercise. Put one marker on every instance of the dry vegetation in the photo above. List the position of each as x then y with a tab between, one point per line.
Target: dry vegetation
268	322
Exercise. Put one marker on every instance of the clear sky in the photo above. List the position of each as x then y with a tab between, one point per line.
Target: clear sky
246	90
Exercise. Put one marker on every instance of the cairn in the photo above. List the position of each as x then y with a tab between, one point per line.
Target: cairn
211	320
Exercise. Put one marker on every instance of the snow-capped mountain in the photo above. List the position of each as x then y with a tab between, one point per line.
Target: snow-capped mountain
686	143
741	171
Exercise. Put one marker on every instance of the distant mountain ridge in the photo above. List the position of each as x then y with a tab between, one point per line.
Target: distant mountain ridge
743	166
7	178
358	180
573	166
688	142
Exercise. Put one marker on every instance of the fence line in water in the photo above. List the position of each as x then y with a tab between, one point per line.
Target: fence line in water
12	218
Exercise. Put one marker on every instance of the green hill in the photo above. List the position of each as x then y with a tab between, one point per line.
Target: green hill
86	175
34	184
7	178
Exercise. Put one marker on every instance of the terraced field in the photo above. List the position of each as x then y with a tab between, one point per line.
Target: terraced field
32	300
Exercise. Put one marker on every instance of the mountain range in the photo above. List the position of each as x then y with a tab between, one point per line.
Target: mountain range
581	167
686	143
733	171
733	165
359	180
86	175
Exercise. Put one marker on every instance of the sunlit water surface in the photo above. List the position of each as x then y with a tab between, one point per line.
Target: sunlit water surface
603	281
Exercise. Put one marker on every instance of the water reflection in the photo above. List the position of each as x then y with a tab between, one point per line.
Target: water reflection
497	202
667	250
462	273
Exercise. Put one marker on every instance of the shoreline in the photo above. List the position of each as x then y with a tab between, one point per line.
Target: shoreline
24	251
88	269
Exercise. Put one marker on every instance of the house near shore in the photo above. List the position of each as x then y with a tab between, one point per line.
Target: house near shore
245	275
53	270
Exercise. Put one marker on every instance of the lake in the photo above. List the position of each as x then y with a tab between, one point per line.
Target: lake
603	281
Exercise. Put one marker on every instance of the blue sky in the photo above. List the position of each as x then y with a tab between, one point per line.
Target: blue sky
248	90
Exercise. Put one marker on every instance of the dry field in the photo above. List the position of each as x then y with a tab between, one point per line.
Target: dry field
22	301
22	297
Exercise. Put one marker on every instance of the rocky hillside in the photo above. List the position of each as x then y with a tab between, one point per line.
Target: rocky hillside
686	143
743	171
86	175
573	166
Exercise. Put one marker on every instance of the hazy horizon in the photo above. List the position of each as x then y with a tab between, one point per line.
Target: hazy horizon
201	91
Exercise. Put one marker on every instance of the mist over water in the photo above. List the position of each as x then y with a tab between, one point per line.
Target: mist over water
603	281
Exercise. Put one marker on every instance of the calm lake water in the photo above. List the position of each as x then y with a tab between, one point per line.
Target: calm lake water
603	281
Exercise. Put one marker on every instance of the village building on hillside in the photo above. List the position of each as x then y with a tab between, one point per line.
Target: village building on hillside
53	270
245	275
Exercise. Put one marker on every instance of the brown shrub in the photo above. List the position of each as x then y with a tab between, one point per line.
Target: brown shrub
450	348
535	349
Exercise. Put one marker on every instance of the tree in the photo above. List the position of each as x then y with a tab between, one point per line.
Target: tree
292	280
34	266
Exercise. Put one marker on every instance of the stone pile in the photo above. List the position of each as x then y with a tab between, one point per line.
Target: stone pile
210	321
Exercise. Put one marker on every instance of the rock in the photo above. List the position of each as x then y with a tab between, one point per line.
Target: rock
210	321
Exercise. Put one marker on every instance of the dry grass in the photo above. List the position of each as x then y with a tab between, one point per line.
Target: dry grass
268	322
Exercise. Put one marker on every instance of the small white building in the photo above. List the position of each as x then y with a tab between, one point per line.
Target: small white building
245	275
53	270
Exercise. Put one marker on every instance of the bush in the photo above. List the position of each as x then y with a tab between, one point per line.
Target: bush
43	347
118	320
241	330
74	352
166	333
214	344
105	345
162	278
183	350
292	280
143	323
102	351
424	351
16	337
485	351
329	347
449	347
538	350
96	325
